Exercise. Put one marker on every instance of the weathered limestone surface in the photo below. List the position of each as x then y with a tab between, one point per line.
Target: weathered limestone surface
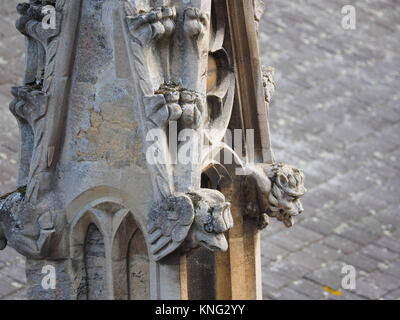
279	281
101	197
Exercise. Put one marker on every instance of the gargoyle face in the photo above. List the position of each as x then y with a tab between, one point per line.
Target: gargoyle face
287	187
274	190
212	218
9	205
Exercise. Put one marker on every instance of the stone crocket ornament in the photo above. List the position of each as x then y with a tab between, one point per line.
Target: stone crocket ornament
183	210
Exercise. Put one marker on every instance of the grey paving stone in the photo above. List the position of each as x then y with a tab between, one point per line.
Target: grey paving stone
373	225
304	234
291	269
267	291
337	242
323	224
9	255
305	259
367	201
348	211
379	253
344	295
8	287
18	295
15	271
323	252
392	295
329	275
384	280
391	268
308	288
369	289
357	235
272	252
390	243
288	294
275	280
286	241
361	262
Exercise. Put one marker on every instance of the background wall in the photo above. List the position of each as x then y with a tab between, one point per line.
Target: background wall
335	113
12	273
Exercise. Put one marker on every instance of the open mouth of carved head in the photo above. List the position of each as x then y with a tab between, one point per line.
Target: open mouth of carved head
213	247
205	244
214	242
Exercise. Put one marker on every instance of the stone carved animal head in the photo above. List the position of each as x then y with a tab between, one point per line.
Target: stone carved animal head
9	205
212	218
29	230
197	219
274	190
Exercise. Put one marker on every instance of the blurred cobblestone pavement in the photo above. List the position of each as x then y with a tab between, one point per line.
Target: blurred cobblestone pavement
336	114
12	274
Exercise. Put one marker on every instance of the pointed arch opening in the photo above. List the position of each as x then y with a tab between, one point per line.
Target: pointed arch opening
131	264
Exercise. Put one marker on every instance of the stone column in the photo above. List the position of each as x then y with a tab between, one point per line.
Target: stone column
124	189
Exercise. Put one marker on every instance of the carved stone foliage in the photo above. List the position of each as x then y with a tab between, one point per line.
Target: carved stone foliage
172	87
32	100
29	233
259	8
268	82
26	216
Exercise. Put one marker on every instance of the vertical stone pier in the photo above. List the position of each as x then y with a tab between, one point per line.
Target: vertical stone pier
131	182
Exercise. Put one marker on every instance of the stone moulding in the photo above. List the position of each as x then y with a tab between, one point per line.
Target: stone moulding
111	73
39	106
164	97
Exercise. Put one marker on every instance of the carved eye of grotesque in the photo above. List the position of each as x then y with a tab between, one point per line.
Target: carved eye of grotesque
283	181
219	219
209	226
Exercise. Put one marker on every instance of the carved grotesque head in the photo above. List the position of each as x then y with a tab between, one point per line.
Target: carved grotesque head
196	219
212	218
278	189
287	187
9	205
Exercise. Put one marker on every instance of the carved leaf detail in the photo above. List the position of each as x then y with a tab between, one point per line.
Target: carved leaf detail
50	65
60	5
140	54
168	225
129	9
37	158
